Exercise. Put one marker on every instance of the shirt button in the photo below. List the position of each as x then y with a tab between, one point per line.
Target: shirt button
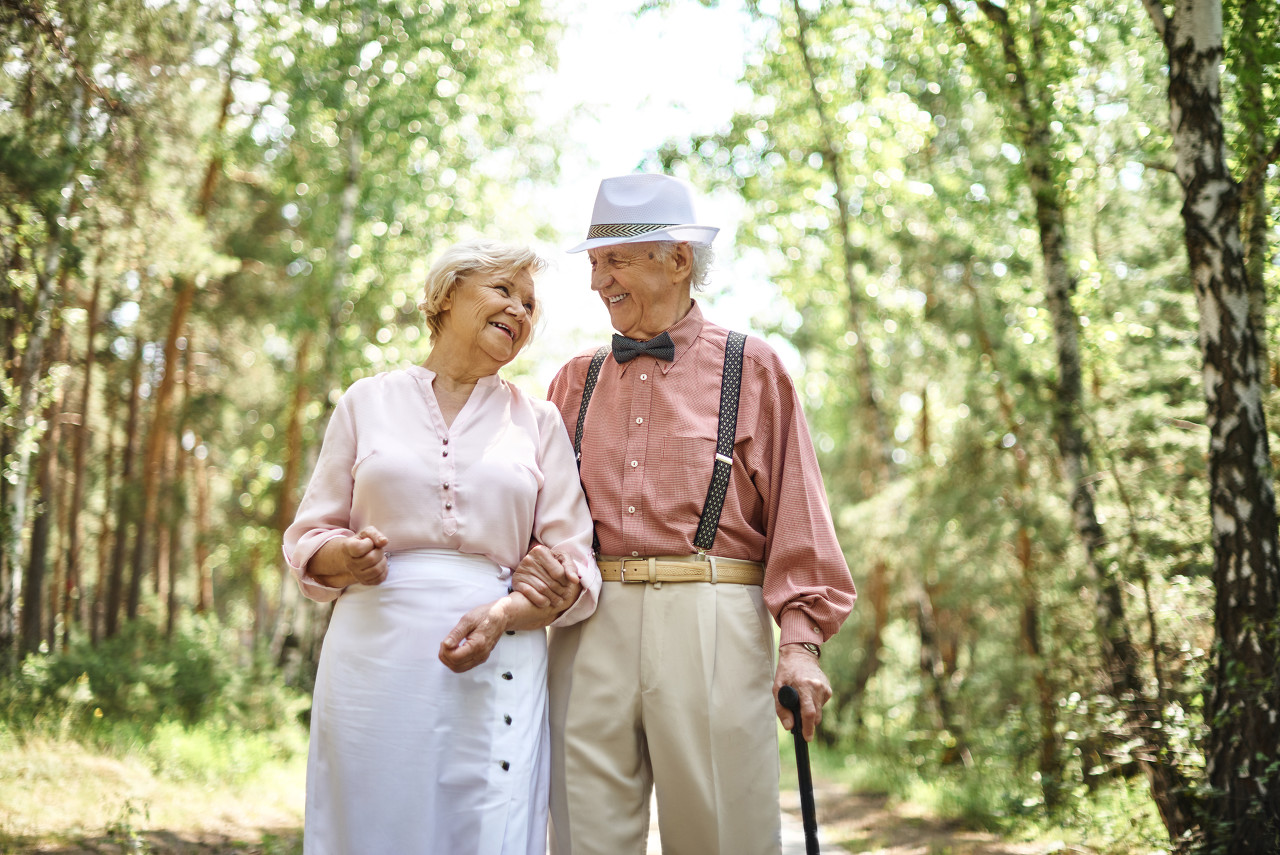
631	509
505	765
506	675
639	421
507	719
634	463
634	554
644	376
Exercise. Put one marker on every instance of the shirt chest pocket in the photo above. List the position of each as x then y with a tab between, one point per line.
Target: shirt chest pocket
684	475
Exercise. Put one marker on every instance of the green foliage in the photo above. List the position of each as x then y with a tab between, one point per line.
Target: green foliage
141	685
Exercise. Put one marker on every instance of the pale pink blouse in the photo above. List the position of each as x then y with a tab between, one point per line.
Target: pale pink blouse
501	474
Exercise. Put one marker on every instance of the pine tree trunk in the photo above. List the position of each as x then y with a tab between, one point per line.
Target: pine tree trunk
204	574
157	439
1029	581
94	601
33	599
125	502
1242	814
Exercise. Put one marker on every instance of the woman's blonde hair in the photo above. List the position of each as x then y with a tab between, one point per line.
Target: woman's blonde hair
473	256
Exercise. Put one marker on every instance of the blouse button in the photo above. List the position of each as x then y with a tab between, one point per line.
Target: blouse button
446	485
448	506
444	453
446	440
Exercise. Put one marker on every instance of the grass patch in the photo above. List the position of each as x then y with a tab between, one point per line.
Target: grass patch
65	790
152	744
1116	818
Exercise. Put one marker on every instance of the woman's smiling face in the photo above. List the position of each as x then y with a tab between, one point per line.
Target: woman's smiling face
490	314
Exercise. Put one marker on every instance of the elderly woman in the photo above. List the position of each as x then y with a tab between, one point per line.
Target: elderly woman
429	722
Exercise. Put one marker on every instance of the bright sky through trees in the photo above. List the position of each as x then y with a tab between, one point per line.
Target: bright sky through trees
625	84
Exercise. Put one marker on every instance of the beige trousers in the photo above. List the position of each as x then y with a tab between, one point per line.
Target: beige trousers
670	687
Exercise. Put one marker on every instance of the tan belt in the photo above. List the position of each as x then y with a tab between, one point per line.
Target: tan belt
680	568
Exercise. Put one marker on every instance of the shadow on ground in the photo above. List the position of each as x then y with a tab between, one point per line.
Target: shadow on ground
866	823
277	841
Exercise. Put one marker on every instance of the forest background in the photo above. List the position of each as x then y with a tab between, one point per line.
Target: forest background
1021	256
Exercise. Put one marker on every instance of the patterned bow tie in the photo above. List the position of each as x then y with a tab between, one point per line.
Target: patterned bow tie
660	347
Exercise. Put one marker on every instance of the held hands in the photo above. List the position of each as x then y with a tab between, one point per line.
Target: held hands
356	560
473	637
545	580
542	587
799	668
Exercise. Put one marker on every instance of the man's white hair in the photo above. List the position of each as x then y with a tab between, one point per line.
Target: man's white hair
703	257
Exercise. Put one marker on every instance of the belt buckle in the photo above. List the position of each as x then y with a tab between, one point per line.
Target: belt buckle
645	565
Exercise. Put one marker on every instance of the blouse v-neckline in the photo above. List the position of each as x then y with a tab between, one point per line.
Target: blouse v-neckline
426	379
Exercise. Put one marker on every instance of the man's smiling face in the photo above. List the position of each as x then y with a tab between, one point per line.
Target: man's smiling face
645	289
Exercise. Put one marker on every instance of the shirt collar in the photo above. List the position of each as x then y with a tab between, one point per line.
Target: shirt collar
426	374
684	333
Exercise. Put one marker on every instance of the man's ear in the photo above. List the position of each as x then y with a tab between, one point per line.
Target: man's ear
682	258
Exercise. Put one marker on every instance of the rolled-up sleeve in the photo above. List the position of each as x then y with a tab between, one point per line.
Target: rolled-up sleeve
807	586
562	520
325	511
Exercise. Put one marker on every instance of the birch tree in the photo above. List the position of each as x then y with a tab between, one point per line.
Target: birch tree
1242	810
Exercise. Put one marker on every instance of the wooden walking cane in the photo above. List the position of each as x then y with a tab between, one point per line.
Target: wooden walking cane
790	698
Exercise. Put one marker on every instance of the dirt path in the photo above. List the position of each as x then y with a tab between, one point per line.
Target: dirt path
860	823
852	823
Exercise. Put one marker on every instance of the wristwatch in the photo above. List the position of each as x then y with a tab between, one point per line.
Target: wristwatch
812	648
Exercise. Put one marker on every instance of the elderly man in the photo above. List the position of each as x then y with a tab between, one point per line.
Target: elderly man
709	519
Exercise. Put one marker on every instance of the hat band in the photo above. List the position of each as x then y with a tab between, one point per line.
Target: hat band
610	230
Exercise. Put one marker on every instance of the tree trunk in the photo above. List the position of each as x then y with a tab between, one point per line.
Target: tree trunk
1119	656
1050	753
33	600
1242	814
883	469
157	439
1256	212
286	506
48	272
864	375
73	588
125	502
94	602
204	574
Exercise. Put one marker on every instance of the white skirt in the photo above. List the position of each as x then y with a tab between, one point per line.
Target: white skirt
409	758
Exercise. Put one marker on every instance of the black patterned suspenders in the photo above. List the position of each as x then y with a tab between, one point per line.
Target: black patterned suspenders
730	387
593	374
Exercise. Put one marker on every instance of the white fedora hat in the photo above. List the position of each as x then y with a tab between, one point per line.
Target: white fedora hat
641	207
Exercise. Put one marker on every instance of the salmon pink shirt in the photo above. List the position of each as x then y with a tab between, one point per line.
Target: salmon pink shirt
501	474
648	448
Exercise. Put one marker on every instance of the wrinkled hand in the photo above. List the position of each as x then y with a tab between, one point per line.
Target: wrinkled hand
799	669
357	560
545	580
474	636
